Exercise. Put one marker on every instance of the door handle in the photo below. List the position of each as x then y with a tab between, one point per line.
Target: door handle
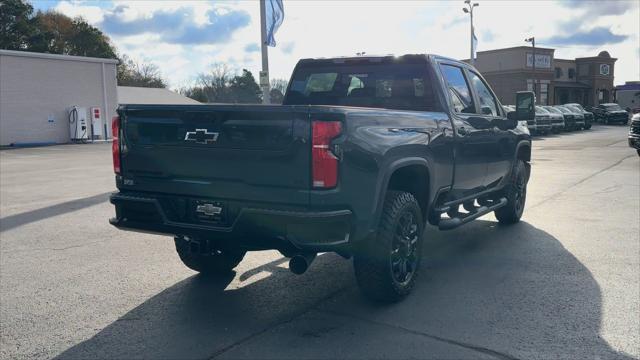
462	131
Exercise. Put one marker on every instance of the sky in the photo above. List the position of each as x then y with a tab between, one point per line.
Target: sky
183	38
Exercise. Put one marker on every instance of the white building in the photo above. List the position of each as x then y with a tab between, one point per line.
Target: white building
37	90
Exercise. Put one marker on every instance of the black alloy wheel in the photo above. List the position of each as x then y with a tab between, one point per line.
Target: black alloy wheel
404	255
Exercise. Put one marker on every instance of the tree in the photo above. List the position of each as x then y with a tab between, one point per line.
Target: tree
16	24
278	89
132	73
244	88
50	32
215	83
195	92
87	40
222	84
53	33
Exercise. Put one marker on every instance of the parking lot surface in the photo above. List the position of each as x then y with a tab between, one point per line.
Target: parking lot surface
563	283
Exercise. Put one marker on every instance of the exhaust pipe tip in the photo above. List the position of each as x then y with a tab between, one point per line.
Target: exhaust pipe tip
298	264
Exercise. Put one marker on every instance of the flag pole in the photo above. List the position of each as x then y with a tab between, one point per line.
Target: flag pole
264	74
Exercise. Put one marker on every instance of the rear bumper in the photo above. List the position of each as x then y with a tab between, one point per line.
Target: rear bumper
252	228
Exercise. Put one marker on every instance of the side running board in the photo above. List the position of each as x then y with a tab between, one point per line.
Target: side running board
452	223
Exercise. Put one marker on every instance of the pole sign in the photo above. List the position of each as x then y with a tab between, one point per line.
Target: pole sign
542	61
264	78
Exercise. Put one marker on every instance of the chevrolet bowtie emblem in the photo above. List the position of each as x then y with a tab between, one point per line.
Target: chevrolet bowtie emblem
209	209
201	136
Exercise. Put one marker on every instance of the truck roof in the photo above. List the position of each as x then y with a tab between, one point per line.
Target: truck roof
379	58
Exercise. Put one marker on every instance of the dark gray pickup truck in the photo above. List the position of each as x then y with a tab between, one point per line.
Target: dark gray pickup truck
361	156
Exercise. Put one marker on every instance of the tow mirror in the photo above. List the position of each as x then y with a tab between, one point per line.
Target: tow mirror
525	105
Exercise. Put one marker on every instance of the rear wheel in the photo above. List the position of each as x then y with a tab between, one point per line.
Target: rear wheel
202	256
387	265
516	194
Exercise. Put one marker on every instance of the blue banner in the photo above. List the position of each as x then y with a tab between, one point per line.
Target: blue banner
274	17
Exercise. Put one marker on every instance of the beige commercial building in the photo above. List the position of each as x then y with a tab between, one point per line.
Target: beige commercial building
37	90
586	80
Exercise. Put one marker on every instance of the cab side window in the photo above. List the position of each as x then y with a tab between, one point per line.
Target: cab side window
459	92
488	103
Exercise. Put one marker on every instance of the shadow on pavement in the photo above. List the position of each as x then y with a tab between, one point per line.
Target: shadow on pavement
14	221
514	290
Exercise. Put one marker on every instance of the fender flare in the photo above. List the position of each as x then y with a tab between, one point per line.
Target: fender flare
381	191
522	143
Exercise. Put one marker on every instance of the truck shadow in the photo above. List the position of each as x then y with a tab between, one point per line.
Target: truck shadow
14	221
515	290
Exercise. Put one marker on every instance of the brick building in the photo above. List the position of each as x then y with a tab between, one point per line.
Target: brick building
587	80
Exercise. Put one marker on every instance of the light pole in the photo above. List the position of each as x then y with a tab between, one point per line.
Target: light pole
469	10
264	74
532	40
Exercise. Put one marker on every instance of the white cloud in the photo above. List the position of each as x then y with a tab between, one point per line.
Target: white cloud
93	14
332	28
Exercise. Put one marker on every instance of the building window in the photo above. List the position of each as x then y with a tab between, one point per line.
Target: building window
572	73
558	73
544	90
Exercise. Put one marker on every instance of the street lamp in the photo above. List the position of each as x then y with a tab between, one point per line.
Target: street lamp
532	40
469	10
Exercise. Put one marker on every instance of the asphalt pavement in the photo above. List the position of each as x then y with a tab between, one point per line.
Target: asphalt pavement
563	283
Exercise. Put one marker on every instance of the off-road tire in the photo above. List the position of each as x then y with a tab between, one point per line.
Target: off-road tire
197	255
516	194
376	263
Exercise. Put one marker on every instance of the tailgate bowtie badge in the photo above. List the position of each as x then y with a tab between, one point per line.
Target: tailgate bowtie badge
209	209
201	136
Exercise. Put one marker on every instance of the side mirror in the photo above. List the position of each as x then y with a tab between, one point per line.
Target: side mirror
486	110
510	122
525	105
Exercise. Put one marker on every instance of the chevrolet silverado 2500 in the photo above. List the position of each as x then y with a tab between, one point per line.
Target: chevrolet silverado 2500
362	155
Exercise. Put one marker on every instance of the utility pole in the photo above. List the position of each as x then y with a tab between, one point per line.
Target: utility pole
532	40
264	74
469	10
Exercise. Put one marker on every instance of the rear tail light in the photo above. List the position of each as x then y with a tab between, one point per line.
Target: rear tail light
115	145
325	163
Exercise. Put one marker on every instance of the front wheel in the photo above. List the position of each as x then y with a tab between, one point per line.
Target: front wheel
387	265
516	194
204	257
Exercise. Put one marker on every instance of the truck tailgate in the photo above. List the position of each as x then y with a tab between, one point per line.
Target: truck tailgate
233	152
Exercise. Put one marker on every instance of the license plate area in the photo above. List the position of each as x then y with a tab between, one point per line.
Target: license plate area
210	212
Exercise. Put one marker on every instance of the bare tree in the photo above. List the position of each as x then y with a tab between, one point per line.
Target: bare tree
279	84
215	82
132	73
278	88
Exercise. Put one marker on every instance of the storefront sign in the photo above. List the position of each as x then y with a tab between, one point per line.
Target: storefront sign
542	61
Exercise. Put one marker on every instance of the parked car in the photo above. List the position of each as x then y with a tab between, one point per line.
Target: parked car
543	121
610	113
558	114
573	120
588	115
360	156
634	132
556	120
